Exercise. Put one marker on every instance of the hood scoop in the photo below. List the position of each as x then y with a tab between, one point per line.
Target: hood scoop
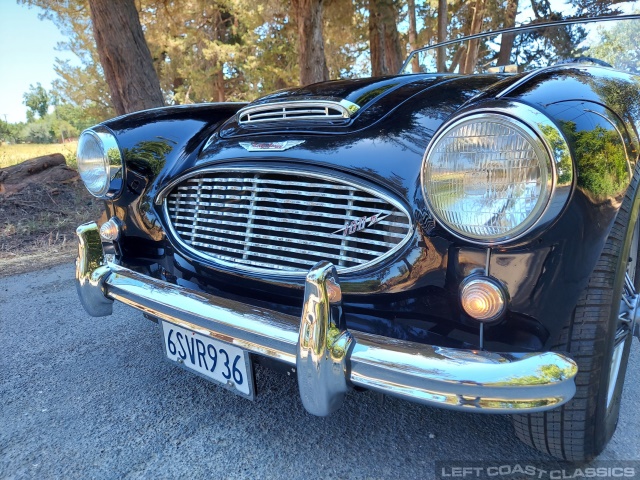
297	110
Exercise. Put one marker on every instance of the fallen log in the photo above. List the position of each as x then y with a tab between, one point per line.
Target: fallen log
46	170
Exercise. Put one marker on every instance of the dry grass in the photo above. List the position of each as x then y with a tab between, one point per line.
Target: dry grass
17	153
37	225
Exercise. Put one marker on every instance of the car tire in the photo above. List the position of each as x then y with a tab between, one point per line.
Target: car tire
580	429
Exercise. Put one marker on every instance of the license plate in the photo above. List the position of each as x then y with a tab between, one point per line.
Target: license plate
215	360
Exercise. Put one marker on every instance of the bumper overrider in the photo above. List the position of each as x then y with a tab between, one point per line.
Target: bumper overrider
328	358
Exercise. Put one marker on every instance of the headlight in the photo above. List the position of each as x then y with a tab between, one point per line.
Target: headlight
488	177
99	162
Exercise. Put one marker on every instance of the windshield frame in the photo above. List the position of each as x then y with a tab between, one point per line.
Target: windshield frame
518	29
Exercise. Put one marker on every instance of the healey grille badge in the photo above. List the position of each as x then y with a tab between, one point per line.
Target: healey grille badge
361	223
270	146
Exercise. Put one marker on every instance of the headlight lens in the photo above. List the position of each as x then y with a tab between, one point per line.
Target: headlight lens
487	177
99	160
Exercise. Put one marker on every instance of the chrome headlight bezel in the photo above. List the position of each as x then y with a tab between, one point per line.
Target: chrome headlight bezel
548	140
112	172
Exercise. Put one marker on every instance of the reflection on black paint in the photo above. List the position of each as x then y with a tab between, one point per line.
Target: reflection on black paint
148	157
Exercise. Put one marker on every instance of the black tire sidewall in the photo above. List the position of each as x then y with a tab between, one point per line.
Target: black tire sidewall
606	418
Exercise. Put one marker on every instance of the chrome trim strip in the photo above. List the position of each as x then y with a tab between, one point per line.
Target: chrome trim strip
278	111
270	146
162	199
328	357
551	140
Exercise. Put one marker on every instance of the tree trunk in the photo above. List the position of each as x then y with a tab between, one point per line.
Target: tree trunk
219	33
413	35
313	64
507	39
442	35
124	56
470	61
384	40
218	85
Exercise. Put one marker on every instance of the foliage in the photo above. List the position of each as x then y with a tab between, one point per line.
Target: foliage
619	47
206	51
49	129
601	163
10	132
37	100
237	50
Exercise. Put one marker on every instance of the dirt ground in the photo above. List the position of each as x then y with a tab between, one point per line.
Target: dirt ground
38	223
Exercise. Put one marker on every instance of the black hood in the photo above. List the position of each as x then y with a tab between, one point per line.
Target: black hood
360	91
385	140
375	97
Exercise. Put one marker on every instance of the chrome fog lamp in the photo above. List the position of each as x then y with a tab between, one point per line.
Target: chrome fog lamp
489	177
99	162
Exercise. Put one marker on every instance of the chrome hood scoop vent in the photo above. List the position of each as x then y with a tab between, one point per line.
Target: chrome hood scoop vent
292	111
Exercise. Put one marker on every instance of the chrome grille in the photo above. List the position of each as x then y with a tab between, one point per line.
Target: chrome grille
284	222
298	110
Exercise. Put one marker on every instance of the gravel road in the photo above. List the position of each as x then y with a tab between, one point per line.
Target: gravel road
93	398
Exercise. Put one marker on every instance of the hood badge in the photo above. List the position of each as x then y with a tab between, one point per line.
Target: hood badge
359	224
270	146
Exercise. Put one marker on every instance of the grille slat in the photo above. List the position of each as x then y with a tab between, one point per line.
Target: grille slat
249	218
226	180
292	230
283	239
289	192
292	202
290	250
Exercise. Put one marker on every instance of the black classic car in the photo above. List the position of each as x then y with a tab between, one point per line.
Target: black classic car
463	234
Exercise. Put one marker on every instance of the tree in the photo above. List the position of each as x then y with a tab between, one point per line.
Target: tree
346	37
413	34
80	85
124	56
197	47
471	57
506	45
37	100
442	34
311	58
10	132
271	55
384	40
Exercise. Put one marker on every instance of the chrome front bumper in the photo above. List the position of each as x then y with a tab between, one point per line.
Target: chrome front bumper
328	358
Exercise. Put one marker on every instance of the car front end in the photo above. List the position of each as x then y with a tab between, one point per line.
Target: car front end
425	236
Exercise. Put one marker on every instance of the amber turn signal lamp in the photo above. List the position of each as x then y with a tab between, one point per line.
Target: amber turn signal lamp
482	299
110	230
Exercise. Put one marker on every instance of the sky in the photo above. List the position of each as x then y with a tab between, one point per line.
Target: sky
27	56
